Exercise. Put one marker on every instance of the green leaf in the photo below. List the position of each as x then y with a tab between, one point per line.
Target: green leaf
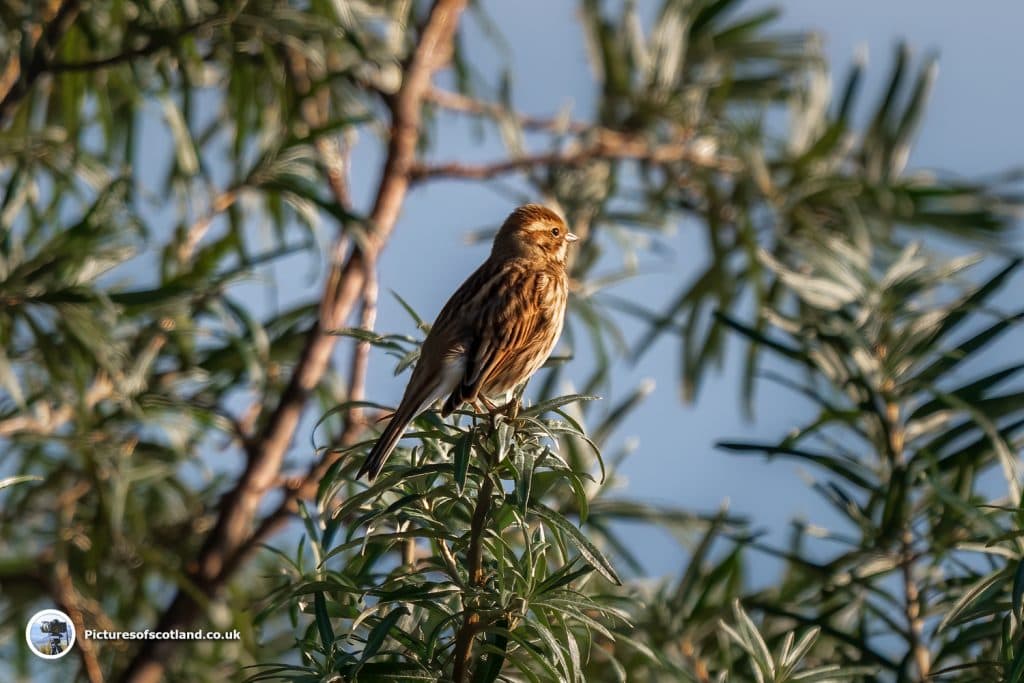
420	324
752	334
18	479
851	472
969	305
1017	595
555	403
379	633
972	392
967	349
587	549
563	577
463	450
323	621
976	592
493	658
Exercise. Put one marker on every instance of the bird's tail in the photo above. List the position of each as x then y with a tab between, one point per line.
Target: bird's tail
380	452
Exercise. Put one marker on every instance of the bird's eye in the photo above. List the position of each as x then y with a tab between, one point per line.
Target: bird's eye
554	231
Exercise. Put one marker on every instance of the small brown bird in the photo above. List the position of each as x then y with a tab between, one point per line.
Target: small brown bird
495	331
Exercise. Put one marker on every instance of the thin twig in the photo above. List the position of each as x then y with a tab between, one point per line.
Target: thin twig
696	662
608	146
895	442
221	203
353	419
458	102
463	654
912	609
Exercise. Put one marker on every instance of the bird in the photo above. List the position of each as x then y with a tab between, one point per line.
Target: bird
496	330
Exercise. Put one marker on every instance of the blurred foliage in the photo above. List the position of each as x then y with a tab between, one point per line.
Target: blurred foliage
717	83
156	157
907	428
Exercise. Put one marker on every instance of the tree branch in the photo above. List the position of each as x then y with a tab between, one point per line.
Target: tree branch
228	540
912	609
68	598
911	595
609	145
48	418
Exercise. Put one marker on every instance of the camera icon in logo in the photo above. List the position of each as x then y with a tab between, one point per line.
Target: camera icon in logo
50	634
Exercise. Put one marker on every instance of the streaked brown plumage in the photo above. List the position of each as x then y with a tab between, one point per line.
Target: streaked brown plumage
495	331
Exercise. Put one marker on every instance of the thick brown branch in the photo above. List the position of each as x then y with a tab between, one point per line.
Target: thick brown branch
69	599
434	49
232	531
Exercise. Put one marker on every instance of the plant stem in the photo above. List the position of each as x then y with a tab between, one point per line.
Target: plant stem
912	610
911	594
475	556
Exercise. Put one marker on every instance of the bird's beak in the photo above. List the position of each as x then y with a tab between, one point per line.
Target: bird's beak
570	237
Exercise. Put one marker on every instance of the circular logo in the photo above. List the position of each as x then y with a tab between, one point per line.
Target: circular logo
50	634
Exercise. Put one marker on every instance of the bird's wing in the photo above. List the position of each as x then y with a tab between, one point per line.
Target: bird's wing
508	315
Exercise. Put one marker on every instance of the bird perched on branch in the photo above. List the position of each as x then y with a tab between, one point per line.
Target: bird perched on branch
495	331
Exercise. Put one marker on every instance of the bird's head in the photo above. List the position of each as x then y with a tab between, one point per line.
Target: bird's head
533	231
